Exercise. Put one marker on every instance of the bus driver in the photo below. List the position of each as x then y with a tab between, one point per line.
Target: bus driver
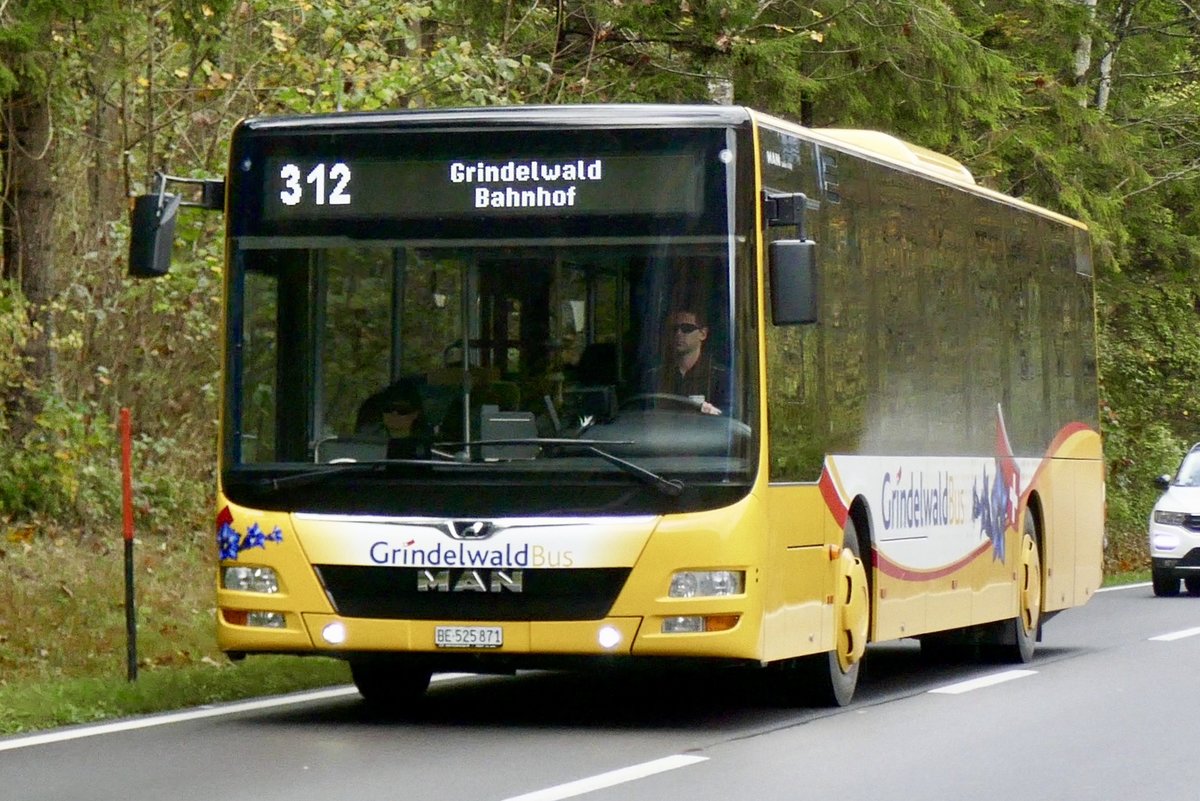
688	371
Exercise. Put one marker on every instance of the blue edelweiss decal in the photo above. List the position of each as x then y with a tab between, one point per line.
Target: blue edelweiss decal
231	542
995	505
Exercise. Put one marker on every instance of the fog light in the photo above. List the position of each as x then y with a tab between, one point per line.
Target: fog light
250	579
258	618
689	624
609	637
266	620
706	583
698	624
334	633
1166	542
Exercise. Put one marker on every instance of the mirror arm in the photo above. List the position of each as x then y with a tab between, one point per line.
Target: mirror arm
212	190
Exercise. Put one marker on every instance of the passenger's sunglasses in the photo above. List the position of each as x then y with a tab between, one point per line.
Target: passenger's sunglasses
686	328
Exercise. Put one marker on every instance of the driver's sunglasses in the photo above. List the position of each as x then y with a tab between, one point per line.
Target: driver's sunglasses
686	328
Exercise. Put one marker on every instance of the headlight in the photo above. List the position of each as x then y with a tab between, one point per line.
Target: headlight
706	583
1170	518
250	579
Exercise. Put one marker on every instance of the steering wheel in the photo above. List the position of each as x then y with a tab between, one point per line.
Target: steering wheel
645	398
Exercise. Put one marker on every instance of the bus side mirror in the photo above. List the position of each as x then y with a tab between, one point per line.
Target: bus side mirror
152	222
793	265
151	234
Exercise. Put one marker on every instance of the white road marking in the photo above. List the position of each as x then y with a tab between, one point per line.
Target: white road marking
1176	635
983	681
150	721
1116	587
610	779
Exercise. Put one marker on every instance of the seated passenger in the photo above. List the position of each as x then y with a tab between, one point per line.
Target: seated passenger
395	414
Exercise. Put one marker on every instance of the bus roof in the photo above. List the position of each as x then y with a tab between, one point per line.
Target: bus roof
597	115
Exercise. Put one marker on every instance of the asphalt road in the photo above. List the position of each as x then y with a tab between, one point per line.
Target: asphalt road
1106	710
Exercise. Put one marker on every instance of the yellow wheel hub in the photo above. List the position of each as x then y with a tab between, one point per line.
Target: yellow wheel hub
1030	582
853	611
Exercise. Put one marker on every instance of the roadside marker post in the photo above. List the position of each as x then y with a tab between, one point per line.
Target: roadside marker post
127	510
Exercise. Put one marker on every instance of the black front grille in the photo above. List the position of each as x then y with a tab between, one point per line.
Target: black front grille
1192	522
547	594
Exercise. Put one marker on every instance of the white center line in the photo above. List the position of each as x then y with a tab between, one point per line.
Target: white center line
610	779
983	681
1176	635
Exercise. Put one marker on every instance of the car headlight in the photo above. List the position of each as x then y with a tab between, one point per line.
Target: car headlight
1169	518
250	579
706	583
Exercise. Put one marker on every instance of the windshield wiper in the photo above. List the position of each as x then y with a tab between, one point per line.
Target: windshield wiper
316	475
667	486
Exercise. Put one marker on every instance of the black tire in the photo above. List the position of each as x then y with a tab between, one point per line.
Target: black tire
1165	584
832	686
389	686
1192	584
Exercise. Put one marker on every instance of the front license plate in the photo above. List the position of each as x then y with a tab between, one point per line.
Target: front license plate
468	636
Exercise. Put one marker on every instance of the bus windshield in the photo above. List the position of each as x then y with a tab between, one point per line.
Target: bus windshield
473	309
492	355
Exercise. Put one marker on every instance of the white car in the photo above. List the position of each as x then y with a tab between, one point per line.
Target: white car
1175	529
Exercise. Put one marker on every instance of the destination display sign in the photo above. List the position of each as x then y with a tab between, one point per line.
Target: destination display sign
332	186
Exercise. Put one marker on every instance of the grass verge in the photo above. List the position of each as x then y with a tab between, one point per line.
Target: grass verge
1128	577
34	705
62	631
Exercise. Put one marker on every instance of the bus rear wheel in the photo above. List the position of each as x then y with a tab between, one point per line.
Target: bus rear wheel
389	685
1020	639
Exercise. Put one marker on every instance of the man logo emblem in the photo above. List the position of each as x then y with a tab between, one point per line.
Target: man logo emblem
470	530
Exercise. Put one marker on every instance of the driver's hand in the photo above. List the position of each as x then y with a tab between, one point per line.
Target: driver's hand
708	408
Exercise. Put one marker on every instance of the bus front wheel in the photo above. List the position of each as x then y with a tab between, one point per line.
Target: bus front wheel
852	610
830	678
388	685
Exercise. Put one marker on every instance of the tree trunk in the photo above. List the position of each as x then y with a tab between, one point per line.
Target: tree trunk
1083	49
1104	87
27	217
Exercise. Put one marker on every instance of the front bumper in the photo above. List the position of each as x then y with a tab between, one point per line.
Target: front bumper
1178	566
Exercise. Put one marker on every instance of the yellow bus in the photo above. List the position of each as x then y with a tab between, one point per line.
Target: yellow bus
542	387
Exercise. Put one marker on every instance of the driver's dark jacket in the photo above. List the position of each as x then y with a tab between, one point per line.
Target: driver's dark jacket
705	378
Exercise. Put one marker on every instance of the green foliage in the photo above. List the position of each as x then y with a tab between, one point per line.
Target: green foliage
63	468
1149	361
14	334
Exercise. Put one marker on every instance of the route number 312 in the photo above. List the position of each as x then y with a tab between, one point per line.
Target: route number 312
330	184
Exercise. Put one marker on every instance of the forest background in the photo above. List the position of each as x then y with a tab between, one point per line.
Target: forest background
1088	107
